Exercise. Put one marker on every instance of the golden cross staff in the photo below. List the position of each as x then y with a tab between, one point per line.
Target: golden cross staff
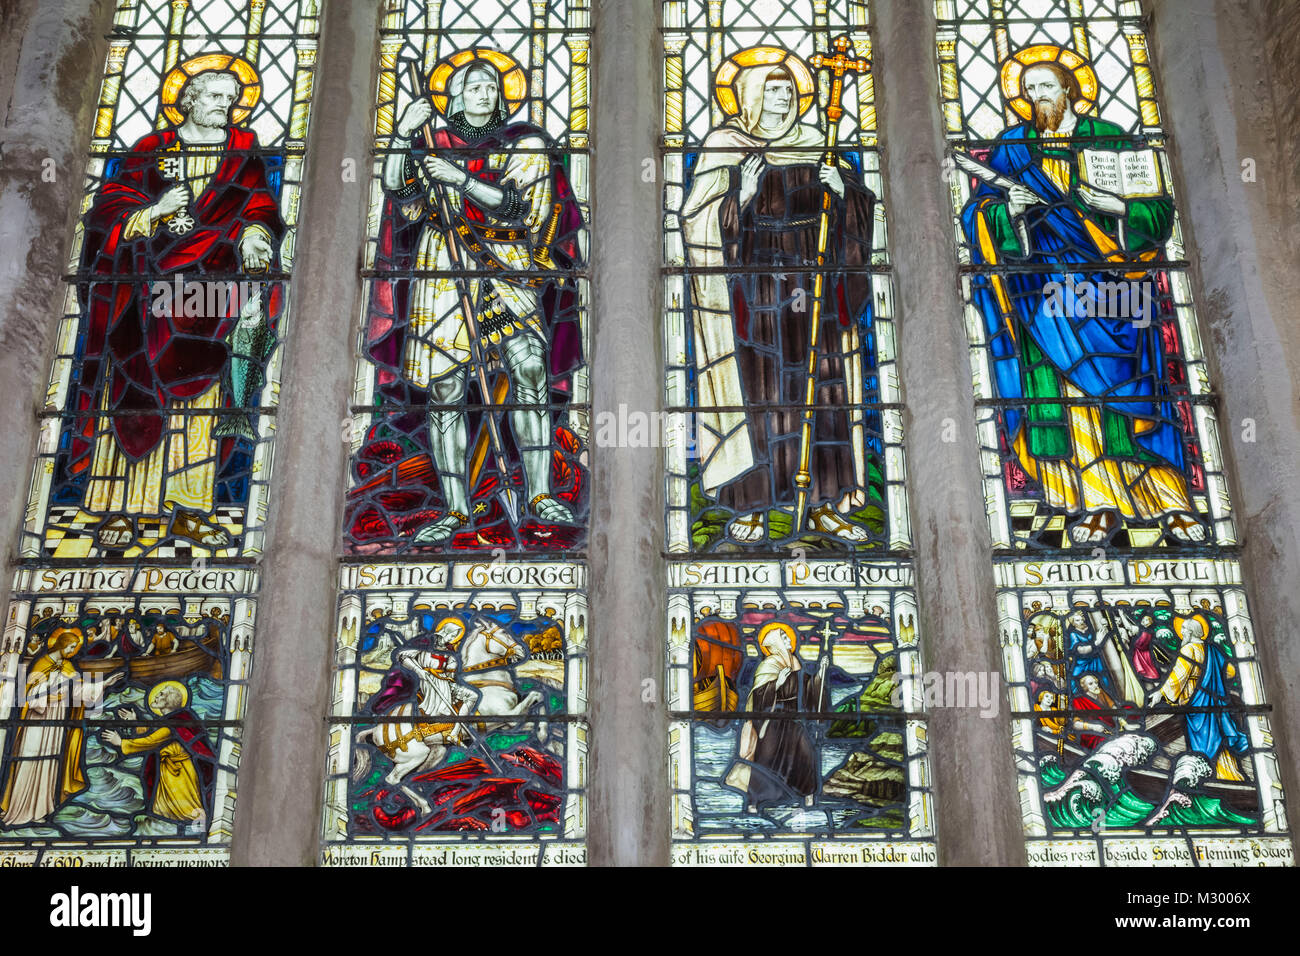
841	63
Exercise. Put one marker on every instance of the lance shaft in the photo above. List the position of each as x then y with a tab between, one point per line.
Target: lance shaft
471	322
839	64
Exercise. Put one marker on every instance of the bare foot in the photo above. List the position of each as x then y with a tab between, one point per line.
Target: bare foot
747	528
191	526
828	521
116	532
1094	528
1186	528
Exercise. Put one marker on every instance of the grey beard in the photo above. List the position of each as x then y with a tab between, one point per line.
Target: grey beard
200	119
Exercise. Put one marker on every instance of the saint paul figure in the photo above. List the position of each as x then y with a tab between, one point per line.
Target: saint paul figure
1090	419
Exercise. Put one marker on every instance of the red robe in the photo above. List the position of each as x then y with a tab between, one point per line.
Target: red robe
144	361
1084	702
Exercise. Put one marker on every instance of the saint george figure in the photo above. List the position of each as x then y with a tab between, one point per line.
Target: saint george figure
755	200
514	218
188	201
1096	430
1199	679
180	767
776	760
45	761
429	672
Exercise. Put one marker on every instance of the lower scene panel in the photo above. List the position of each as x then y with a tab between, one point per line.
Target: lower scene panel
1139	720
458	732
123	697
797	735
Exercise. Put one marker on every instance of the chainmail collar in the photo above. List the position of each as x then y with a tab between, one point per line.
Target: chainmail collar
472	134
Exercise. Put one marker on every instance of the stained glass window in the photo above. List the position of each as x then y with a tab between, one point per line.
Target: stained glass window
1140	726
458	728
796	733
128	640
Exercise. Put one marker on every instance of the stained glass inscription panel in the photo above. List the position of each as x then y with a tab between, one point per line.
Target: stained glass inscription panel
795	690
1139	716
122	699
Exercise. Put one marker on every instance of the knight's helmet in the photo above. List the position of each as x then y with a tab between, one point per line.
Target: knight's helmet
448	633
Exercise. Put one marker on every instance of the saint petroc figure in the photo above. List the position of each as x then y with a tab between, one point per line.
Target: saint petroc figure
190	201
180	766
512	233
1097	431
755	200
46	760
777	762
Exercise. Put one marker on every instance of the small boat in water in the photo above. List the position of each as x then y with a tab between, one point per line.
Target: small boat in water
198	651
718	655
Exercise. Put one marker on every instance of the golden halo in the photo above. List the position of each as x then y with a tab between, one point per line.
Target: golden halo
179	76
57	635
167	685
1013	68
460	626
514	82
1198	618
780	626
724	84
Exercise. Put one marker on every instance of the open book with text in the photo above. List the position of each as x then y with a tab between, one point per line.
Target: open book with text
1127	173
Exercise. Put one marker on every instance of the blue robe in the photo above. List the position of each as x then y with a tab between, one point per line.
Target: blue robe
1049	340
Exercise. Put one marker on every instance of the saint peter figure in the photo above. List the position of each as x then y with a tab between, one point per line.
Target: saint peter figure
1092	423
190	203
485	217
755	200
179	767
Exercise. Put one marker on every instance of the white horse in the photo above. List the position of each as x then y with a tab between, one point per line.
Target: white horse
487	653
414	744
